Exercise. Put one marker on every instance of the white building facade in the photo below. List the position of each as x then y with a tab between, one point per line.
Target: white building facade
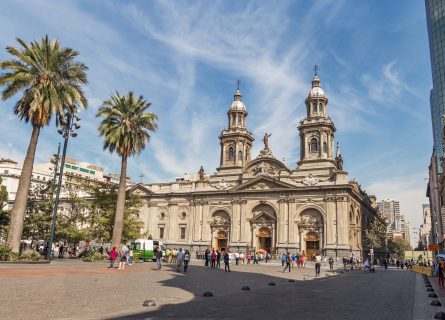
260	203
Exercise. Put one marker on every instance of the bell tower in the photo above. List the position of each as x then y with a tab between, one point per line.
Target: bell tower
236	140
316	129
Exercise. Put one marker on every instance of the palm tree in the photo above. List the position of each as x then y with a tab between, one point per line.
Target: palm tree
49	81
125	127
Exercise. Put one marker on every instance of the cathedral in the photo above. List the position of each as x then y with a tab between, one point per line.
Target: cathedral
257	202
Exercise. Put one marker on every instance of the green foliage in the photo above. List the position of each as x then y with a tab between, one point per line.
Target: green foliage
102	205
30	255
398	247
6	253
5	215
37	225
94	256
126	124
47	75
375	235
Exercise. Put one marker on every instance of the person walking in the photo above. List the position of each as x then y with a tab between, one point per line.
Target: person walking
186	260
61	251
130	257
294	259
207	258
255	258
123	257
331	263
179	260
317	264
366	266
283	259
226	262
158	258
236	257
213	257
113	257
218	259
288	262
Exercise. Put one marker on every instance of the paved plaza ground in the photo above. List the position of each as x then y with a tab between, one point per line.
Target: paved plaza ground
70	289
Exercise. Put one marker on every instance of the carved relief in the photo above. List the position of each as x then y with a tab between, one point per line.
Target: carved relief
222	185
310	180
264	168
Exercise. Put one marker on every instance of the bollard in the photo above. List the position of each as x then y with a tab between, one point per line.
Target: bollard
439	315
291	280
271	283
207	294
436	303
149	303
432	295
429	289
245	288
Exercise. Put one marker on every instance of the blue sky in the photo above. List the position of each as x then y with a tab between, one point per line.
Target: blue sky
185	57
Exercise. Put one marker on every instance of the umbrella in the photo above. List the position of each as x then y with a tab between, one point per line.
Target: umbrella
261	251
441	256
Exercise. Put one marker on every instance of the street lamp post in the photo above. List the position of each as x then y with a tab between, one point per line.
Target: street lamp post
68	127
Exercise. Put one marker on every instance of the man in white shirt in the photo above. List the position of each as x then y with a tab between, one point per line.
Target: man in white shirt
236	257
179	259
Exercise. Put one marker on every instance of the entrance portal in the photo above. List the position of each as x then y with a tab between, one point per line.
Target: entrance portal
221	240
312	244
264	239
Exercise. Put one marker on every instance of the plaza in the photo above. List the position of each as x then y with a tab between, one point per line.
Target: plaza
71	289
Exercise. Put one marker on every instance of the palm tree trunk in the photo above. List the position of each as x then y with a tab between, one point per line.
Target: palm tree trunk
120	206
21	198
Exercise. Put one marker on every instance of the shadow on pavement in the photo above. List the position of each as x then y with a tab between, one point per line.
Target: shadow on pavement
346	296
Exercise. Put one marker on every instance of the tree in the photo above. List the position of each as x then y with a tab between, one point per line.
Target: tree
50	81
125	127
102	206
4	214
398	247
37	224
376	234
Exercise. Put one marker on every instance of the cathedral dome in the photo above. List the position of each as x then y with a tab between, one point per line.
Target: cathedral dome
237	104
316	90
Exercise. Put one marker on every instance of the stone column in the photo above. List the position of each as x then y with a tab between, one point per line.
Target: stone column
197	208
331	223
302	146
282	219
242	227
320	143
205	227
343	220
235	221
292	210
173	226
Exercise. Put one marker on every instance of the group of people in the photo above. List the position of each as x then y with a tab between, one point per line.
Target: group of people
294	259
125	255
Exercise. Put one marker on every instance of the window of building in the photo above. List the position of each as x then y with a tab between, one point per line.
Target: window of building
239	120
161	233
325	147
233	119
182	230
320	107
230	153
314	145
240	155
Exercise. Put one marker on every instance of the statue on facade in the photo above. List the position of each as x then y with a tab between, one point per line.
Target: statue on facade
201	174
266	140
339	162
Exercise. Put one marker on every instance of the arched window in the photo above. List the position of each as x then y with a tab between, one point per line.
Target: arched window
233	119
325	147
314	145
247	153
240	155
320	107
230	153
239	120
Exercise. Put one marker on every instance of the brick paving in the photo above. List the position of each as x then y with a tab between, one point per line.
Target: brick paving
77	290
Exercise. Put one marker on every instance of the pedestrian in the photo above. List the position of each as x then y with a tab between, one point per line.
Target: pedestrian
207	257
288	262
179	259
303	260
123	257
366	266
236	257
440	274
351	263
101	250
226	262
255	258
283	259
130	257
218	259
385	264
317	264
112	257
242	257
186	260
331	263
213	258
158	258
294	259
61	252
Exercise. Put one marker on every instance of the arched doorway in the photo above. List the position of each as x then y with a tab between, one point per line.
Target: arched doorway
264	239
221	240
312	241
220	228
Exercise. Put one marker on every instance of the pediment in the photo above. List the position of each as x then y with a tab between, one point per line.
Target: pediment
263	217
139	190
263	183
265	166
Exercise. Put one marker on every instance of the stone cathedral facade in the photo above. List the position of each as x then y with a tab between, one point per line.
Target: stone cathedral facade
260	203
